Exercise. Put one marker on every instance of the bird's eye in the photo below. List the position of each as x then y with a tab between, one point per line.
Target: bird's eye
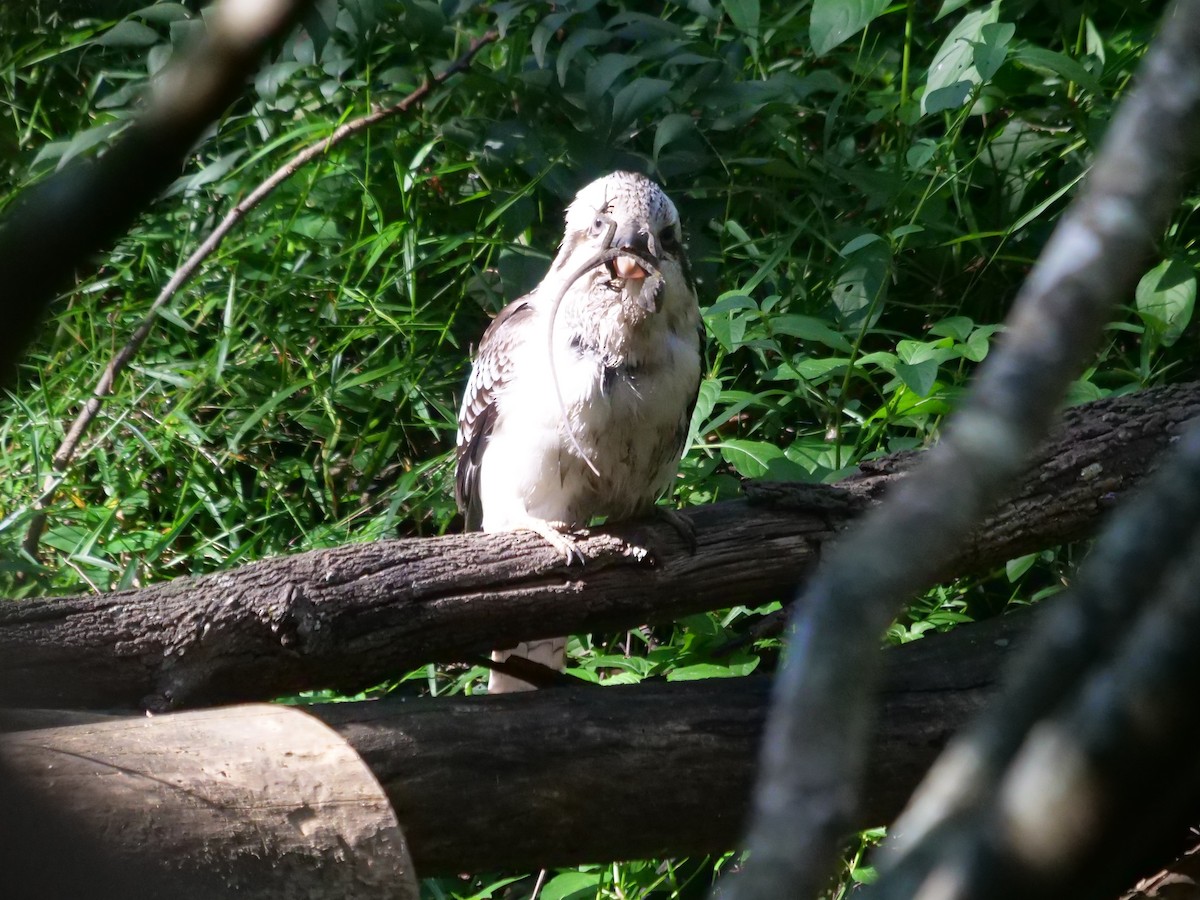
598	226
668	239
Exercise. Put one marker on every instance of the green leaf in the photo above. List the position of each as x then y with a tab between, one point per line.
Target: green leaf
571	886
861	287
992	49
1015	568
744	14
605	72
918	377
163	12
833	21
809	328
1056	64
957	327
712	670
576	41
637	97
952	74
671	128
858	243
751	459
1166	296
129	34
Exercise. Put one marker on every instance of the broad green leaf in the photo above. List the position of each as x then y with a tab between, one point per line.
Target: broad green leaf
751	459
949	6
712	670
920	153
833	21
918	377
163	12
744	14
571	886
861	287
992	48
86	140
914	352
957	327
576	41
858	243
808	328
952	73
706	399
1015	568
730	300
670	129
129	34
1165	298
980	342
813	369
605	72
544	33
1057	64
637	97
950	97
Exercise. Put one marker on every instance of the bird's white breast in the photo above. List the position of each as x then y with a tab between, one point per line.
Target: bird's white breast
626	418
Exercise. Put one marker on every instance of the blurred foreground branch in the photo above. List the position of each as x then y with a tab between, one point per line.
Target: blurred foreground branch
823	712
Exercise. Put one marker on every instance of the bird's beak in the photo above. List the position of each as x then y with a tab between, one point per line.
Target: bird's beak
637	239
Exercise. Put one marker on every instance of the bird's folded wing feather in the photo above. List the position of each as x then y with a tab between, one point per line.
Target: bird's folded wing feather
498	351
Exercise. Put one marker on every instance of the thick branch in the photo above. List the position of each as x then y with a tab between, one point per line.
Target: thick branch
356	615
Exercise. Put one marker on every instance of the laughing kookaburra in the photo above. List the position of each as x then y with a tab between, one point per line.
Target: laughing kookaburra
582	390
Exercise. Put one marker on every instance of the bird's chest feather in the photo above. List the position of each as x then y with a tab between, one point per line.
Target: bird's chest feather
626	405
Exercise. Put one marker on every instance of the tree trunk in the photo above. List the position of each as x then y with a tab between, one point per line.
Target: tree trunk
257	801
356	615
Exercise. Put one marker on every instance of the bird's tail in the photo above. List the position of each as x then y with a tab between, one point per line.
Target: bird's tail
550	652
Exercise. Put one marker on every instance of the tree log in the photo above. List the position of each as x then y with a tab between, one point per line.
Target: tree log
261	801
516	781
356	615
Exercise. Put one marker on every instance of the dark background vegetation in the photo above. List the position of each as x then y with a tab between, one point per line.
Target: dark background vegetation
861	205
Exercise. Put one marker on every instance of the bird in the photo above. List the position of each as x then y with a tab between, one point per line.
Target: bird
581	393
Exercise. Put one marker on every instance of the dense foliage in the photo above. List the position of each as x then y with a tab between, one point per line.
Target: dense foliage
864	187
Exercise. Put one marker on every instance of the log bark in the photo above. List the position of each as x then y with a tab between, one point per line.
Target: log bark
574	775
261	801
356	615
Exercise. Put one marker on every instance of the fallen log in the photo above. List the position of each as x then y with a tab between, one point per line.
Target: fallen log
258	801
517	781
357	615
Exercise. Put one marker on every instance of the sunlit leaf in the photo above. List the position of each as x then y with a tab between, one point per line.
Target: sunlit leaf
833	21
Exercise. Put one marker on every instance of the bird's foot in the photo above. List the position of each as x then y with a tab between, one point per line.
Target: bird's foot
558	536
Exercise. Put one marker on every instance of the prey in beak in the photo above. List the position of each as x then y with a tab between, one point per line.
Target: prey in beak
637	260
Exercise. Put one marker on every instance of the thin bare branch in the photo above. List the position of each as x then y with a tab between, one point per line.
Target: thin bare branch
75	432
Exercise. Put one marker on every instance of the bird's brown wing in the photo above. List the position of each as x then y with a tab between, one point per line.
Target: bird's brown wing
493	364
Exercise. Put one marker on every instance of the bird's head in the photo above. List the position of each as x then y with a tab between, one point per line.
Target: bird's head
627	212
